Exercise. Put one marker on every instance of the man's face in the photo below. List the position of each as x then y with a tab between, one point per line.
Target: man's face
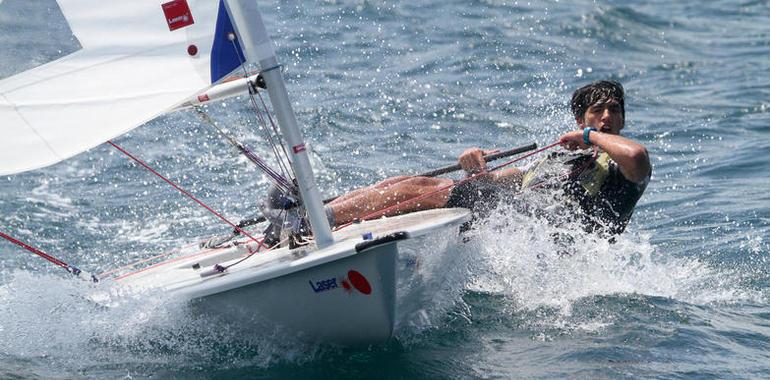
605	115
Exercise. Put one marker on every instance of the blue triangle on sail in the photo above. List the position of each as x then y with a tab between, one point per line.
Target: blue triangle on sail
224	57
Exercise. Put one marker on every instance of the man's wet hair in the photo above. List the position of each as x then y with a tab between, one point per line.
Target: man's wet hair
597	92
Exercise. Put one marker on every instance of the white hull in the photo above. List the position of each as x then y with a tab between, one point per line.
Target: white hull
347	293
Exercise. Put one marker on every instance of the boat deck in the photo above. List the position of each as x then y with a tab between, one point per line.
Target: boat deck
192	272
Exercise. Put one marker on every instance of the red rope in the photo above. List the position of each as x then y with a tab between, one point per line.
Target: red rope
530	154
183	191
36	251
379	213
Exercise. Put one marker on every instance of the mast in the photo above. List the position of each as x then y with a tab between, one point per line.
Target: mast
258	47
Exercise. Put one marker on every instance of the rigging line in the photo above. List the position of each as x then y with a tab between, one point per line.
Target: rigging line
285	213
285	219
273	144
272	125
55	261
169	261
221	268
177	250
379	213
252	89
277	178
224	268
181	190
281	163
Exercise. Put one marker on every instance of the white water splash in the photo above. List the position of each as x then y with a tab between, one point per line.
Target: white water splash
520	258
48	319
439	268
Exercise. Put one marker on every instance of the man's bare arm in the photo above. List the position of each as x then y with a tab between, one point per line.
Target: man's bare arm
632	158
472	161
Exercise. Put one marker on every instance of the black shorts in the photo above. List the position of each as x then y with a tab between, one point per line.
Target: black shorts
477	196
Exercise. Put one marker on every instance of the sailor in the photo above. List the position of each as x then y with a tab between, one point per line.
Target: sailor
603	185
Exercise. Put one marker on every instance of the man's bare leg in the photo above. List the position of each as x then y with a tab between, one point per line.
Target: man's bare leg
393	192
377	186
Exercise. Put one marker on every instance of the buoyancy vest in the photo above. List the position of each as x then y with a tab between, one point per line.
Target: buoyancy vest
606	199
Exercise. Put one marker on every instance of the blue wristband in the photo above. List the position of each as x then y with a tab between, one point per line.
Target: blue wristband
586	132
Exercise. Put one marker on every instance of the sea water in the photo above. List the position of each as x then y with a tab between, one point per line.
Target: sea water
388	88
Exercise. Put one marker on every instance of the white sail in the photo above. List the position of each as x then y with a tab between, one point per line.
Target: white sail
132	67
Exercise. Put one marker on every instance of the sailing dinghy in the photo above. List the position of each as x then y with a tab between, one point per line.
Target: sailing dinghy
349	286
